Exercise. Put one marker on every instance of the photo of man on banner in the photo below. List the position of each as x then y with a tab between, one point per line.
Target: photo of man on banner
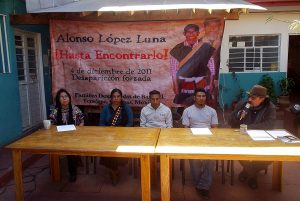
195	62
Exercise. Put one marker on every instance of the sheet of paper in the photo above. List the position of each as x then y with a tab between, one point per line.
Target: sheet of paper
201	131
284	136
278	133
66	128
259	135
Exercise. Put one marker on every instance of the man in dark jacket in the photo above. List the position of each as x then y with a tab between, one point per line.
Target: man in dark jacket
258	112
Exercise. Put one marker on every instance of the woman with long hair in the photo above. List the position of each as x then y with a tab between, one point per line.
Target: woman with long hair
116	113
65	113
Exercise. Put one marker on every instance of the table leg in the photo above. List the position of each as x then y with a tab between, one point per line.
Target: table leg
165	177
277	176
153	170
54	166
145	178
17	164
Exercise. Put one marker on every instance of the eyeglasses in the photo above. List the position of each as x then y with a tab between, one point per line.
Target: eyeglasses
64	97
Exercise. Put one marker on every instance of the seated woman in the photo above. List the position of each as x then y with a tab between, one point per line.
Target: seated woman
116	113
65	113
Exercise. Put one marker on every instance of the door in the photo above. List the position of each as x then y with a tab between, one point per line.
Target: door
293	70
29	67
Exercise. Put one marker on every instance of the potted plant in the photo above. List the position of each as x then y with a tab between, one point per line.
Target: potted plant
268	82
286	85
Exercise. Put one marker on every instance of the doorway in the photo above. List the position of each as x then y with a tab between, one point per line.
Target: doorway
31	89
293	70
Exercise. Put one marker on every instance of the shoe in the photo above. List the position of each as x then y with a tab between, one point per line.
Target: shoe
243	176
203	193
72	178
114	177
252	183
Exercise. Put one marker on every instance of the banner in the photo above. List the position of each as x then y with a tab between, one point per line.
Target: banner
89	59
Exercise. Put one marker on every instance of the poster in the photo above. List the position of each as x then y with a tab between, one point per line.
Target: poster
89	59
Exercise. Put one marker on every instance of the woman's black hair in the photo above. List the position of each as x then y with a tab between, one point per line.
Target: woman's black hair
114	91
124	118
58	106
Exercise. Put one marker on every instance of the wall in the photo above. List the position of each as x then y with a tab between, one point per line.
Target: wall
10	116
253	24
229	86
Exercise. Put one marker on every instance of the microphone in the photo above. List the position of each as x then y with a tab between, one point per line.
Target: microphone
244	111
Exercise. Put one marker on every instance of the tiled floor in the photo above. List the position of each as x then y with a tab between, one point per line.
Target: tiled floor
38	186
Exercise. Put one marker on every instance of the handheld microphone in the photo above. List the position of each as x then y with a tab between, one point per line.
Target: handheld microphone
245	111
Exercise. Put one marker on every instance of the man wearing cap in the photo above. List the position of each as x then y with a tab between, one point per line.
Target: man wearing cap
258	112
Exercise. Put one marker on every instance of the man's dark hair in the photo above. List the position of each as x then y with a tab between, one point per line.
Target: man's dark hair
192	26
153	92
199	90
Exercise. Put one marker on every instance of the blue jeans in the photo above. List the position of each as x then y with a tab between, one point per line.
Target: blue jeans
202	172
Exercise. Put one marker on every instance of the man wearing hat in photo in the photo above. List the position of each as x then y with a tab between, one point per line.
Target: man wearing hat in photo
258	112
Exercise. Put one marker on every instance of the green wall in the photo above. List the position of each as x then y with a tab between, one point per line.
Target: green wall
229	85
10	116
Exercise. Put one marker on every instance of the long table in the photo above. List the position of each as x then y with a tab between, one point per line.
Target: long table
224	144
88	141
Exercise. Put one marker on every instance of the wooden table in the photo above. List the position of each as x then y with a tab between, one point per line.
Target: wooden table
88	141
224	144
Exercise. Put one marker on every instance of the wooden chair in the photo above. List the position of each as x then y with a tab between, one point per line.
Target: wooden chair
230	168
90	160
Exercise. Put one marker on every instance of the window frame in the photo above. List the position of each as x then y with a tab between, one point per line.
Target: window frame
254	47
4	48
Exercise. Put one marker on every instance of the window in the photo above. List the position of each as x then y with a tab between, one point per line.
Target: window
253	53
4	55
26	54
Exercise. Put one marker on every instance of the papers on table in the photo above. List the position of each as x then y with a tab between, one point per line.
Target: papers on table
66	128
269	135
278	133
201	131
284	136
259	135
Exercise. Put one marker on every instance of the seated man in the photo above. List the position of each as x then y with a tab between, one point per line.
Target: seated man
200	115
156	114
260	113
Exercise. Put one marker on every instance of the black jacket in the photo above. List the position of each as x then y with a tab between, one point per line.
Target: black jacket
261	117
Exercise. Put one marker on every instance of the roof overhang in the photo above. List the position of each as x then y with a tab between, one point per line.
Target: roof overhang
42	6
